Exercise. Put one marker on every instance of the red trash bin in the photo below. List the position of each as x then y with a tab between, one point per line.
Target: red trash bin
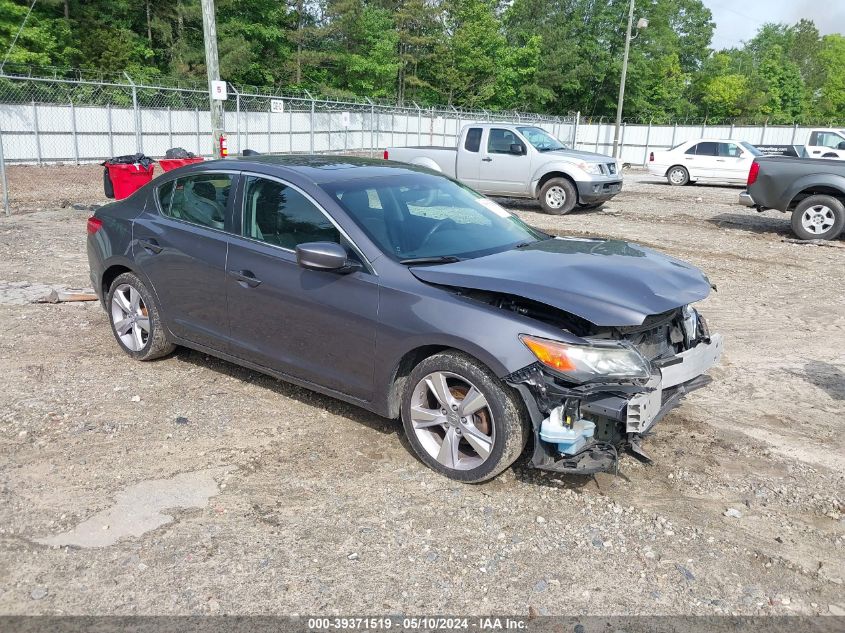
175	163
128	178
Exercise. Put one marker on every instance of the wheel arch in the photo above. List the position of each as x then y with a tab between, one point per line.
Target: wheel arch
837	192
412	358
554	174
671	167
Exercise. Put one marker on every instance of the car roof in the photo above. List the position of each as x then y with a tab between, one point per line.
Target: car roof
316	168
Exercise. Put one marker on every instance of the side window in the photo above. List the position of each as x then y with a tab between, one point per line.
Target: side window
729	150
200	199
280	215
707	148
692	150
827	139
473	140
499	141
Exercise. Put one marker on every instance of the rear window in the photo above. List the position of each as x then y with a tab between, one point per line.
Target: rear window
473	140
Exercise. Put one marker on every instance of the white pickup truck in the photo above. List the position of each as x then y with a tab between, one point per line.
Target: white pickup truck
521	161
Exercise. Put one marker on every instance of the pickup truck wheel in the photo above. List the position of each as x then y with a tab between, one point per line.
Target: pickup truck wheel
558	196
677	176
818	218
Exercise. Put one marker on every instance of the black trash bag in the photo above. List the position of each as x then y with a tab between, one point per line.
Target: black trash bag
179	152
130	159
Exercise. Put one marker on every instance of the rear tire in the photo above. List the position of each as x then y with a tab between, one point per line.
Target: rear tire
677	176
558	196
471	448
135	319
818	218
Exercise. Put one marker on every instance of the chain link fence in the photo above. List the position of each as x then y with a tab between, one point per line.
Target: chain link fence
79	118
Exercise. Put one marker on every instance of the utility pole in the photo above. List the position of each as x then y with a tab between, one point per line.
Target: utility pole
621	82
209	28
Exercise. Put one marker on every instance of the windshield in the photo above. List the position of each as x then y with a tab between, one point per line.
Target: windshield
540	139
426	216
754	151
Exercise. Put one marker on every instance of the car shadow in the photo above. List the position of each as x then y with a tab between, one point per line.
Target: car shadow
524	204
694	185
829	378
294	392
752	222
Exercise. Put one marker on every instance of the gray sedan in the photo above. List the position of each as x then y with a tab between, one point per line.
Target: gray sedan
406	293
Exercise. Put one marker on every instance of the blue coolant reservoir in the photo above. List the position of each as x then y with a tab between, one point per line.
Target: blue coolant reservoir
569	440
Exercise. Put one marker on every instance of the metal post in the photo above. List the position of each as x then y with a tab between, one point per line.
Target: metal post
170	126
419	123
209	29
311	123
238	118
732	130
197	120
794	133
647	142
674	132
598	134
138	145
6	206
622	140
290	130
575	130
73	131
269	129
622	81
372	126
763	131
111	130
37	133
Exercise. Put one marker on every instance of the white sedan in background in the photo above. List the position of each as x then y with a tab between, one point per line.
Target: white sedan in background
707	160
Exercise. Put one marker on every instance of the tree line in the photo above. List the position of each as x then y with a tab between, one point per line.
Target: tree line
550	56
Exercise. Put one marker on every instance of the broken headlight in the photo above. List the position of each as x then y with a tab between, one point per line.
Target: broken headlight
583	363
690	319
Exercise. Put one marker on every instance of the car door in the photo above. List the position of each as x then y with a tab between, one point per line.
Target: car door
823	142
733	162
468	164
313	325
700	160
180	243
503	173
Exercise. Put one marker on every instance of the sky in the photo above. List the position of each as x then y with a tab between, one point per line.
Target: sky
738	20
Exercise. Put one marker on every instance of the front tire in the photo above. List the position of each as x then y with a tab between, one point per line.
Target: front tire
818	218
135	319
677	176
558	196
461	420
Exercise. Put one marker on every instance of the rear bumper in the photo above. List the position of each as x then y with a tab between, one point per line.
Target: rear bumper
592	191
746	199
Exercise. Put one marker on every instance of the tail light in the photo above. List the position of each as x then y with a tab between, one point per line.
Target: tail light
94	225
651	157
386	155
752	173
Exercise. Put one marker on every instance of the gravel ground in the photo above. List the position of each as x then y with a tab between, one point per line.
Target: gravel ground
193	486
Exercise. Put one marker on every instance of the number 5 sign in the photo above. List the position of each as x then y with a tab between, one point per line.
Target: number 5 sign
218	90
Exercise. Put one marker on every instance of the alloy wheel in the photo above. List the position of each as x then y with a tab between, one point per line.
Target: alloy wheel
452	420
818	219
677	176
130	317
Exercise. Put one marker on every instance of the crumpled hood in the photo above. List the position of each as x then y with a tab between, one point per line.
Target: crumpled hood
606	282
574	154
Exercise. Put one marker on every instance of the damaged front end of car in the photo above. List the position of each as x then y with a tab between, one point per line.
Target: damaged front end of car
592	399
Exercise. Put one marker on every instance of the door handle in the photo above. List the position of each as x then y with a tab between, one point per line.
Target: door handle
487	160
245	278
151	245
720	160
817	152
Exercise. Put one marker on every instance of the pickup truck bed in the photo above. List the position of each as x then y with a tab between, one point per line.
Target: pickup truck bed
812	189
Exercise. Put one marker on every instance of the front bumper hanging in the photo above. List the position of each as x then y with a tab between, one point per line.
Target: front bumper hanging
624	412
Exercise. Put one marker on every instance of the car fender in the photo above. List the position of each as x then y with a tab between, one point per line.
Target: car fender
808	182
564	167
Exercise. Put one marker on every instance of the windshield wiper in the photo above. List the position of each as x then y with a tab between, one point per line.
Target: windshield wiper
441	259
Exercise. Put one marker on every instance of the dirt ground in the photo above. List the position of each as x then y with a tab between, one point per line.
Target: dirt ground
192	486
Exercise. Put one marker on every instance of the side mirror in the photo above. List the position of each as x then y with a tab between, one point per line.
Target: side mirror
841	145
517	148
325	256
